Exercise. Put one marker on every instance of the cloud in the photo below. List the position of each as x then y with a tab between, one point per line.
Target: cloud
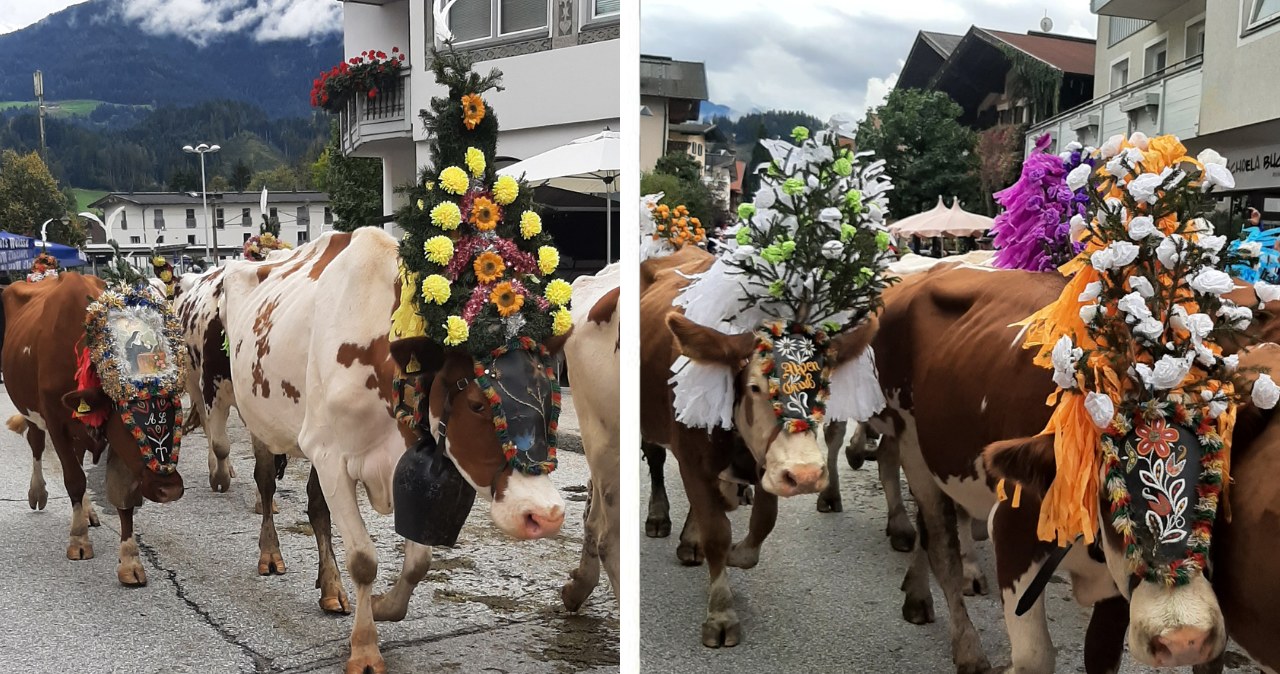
822	56
203	21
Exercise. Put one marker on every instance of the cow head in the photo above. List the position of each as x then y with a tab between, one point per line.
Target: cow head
498	418
153	460
780	389
1169	625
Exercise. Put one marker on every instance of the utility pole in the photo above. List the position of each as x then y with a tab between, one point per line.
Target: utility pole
39	82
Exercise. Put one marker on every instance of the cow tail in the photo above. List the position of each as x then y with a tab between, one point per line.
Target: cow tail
17	424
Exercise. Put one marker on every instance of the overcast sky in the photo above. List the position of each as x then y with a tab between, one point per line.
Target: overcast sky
825	56
199	20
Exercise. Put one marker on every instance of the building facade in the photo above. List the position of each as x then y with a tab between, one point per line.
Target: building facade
559	59
142	221
1202	70
671	95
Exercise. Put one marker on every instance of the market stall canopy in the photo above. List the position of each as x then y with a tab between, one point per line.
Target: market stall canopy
942	221
18	252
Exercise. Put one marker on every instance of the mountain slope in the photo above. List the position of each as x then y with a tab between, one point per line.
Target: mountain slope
88	51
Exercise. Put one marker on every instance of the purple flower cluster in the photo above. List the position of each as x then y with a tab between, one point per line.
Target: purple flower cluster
1034	230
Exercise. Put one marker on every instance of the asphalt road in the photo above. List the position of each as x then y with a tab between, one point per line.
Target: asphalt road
489	605
825	597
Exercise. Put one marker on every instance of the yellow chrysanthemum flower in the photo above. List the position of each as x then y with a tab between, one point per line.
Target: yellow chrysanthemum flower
475	162
530	224
406	321
439	249
157	261
456	331
561	322
558	292
446	215
435	288
548	259
454	180
166	276
505	190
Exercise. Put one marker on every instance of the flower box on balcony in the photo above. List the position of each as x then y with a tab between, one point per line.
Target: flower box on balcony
364	75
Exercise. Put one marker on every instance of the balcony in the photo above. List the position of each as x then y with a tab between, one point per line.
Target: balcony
1165	102
383	117
1135	9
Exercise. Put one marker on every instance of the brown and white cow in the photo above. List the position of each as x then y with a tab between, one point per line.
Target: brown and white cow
314	375
45	324
957	380
591	354
789	463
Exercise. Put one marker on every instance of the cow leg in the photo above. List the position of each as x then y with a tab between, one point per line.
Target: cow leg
764	514
394	604
362	560
333	597
975	581
215	429
1104	640
659	523
902	536
829	499
917	605
584	579
689	551
264	473
706	507
79	546
937	514
37	495
1019	556
856	452
122	492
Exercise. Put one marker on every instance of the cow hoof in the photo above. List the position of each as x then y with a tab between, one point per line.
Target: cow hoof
220	482
574	594
855	458
829	504
979	529
746	496
131	574
338	604
902	540
270	563
80	550
980	667
717	632
689	554
367	665
743	557
657	528
37	498
975	583
93	518
917	612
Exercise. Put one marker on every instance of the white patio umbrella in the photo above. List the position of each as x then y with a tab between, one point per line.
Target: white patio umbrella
593	157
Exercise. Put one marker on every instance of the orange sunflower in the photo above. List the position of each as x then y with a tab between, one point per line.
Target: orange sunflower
505	297
489	267
472	110
485	214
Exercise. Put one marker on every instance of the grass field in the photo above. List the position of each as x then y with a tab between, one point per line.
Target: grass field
73	108
86	197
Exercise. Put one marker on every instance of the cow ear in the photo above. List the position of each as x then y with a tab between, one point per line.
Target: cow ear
93	400
420	352
701	343
851	344
1026	461
556	344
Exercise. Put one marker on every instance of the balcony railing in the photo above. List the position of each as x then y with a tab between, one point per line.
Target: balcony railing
382	117
1166	101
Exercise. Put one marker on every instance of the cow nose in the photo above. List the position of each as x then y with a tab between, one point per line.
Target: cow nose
805	478
540	524
1182	647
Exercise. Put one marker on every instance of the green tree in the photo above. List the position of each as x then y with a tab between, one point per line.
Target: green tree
320	172
219	184
240	176
29	196
926	151
354	185
279	179
183	181
694	195
680	165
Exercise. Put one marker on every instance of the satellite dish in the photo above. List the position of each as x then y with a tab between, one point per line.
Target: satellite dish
1046	24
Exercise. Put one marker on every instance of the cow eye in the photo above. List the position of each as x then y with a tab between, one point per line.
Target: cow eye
476	407
755	388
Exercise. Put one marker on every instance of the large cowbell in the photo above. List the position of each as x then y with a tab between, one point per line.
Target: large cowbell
1161	463
432	498
525	395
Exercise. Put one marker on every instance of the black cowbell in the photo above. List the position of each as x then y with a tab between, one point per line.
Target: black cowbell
432	499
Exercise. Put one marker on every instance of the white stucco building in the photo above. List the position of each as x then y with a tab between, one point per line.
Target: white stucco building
559	59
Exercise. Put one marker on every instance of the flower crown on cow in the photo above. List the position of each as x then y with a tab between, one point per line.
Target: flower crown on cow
267	240
1134	343
665	229
805	261
1034	230
163	270
478	269
45	266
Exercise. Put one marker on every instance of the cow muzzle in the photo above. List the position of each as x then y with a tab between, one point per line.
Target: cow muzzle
530	507
1176	626
161	488
794	464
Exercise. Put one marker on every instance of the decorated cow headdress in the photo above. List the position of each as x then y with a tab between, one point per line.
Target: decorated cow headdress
163	270
1146	400
664	229
45	266
266	240
1034	231
804	262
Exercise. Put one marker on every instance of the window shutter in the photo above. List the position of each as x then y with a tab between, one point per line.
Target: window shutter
518	15
607	6
471	19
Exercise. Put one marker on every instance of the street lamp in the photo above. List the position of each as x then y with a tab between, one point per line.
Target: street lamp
202	149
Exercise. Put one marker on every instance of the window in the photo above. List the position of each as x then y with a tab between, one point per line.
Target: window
158	218
303	237
1261	12
476	20
191	239
1119	74
328	215
1155	57
603	8
304	217
220	218
135	239
124	219
246	237
191	218
160	239
274	215
1195	39
245	219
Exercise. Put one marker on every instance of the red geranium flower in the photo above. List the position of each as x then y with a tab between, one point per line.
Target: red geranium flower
373	92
